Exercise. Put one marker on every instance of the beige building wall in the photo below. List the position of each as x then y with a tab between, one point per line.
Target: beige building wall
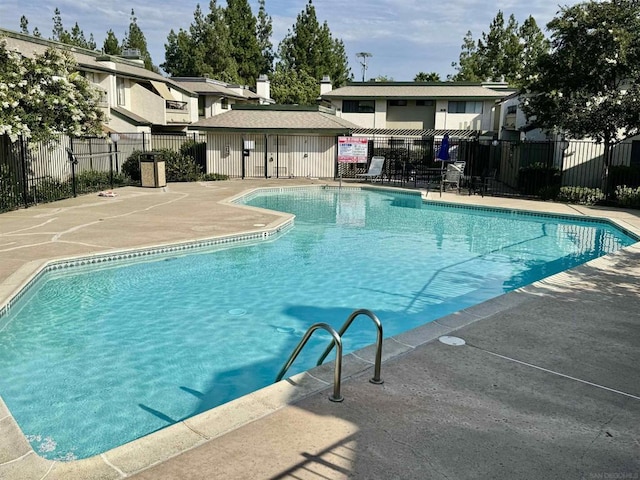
411	116
147	104
281	155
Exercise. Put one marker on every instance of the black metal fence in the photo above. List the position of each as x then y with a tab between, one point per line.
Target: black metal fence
503	168
32	173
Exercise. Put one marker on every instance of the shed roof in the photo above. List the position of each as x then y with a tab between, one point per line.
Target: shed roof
273	119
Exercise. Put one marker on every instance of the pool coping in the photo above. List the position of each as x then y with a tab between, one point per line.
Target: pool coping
159	446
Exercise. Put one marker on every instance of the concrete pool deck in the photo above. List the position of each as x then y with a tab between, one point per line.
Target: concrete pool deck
547	385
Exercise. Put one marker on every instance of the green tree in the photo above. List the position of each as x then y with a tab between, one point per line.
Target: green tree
24	25
111	46
205	50
264	29
499	50
77	38
503	54
177	63
588	85
427	77
534	44
310	46
59	32
135	40
245	49
292	87
43	96
468	66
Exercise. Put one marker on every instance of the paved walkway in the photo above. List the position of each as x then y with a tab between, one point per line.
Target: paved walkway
547	385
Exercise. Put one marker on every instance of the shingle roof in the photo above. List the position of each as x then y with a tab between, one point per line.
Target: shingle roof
206	87
87	59
449	90
275	120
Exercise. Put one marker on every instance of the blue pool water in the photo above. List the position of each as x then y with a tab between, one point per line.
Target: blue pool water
93	358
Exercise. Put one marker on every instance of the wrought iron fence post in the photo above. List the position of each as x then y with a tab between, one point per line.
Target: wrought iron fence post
110	165
73	162
23	161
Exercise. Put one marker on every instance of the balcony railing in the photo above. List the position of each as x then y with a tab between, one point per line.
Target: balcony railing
176	105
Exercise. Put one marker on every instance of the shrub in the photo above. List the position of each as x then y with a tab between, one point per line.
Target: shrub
549	192
94	181
580	195
628	196
131	166
9	190
628	176
49	189
211	177
197	151
535	178
179	168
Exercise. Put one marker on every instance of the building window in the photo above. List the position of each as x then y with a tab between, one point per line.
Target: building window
201	106
358	106
397	103
425	103
120	90
465	107
511	109
224	104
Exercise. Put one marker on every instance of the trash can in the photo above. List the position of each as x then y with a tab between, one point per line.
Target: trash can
152	170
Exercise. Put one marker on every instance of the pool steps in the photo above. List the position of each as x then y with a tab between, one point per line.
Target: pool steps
337	343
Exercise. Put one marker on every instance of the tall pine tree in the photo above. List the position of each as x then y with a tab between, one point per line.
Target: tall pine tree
59	32
505	53
468	65
310	48
24	25
245	49
264	29
135	40
205	50
111	46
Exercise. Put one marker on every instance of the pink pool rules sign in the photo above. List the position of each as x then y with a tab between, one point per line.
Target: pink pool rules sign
352	150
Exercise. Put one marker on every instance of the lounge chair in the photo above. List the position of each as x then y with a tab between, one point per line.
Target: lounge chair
453	175
375	169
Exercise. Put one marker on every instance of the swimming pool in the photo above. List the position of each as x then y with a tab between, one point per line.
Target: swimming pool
409	262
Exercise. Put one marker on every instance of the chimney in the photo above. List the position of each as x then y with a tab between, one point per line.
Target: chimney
325	85
263	88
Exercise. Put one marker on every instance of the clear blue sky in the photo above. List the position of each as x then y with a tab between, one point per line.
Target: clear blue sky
404	37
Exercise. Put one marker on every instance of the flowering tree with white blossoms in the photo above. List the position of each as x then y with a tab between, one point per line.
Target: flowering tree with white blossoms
44	96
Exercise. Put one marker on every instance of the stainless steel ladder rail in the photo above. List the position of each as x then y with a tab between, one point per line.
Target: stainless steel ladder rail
376	368
337	372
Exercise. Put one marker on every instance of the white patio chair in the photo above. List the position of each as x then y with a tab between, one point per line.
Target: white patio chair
453	176
375	169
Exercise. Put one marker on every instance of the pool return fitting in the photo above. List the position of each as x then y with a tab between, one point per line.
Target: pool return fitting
337	343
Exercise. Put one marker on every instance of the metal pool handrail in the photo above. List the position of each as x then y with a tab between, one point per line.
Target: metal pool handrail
336	397
363	311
